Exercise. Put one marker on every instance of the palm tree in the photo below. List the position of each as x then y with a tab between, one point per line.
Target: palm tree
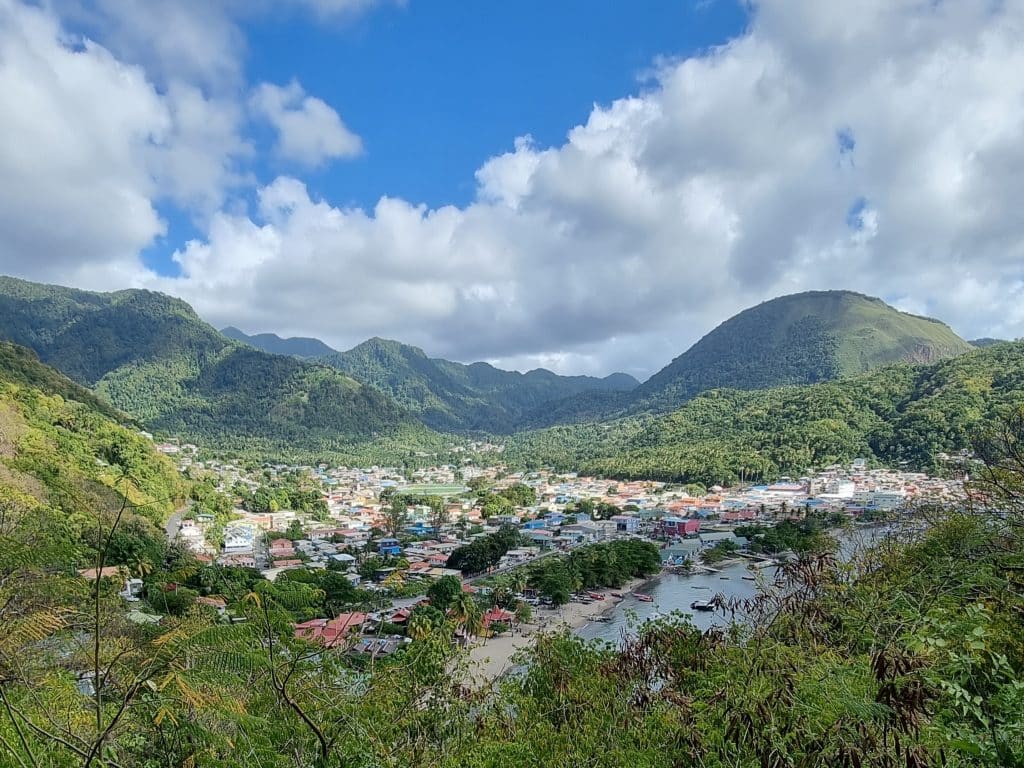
142	567
467	614
518	578
419	626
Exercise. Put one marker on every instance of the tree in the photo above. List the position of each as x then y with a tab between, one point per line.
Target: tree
396	515
438	513
444	591
423	620
523	612
295	531
467	614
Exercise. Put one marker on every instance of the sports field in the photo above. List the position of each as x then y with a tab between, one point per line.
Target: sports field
426	489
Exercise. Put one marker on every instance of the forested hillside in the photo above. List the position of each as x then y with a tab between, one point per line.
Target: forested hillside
906	653
799	339
65	456
897	414
456	397
152	357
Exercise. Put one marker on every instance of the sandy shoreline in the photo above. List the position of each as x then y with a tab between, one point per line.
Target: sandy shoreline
489	660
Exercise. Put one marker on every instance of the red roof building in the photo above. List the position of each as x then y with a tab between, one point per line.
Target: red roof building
330	632
498	614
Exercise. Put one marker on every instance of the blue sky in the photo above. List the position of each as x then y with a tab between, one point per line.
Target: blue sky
435	88
350	168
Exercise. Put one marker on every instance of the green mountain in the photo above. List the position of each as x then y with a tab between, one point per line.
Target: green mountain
799	339
457	397
898	414
296	346
67	457
151	356
984	342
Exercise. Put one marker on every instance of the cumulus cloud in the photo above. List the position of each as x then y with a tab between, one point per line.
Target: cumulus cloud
193	40
197	40
90	148
309	131
873	147
875	150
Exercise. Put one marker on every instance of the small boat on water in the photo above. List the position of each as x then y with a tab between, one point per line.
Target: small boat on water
616	594
703	605
749	578
644	598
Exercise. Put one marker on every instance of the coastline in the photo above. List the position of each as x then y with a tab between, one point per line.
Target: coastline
489	659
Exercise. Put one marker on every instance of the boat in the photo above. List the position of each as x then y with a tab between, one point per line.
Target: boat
616	594
645	598
749	578
703	605
595	595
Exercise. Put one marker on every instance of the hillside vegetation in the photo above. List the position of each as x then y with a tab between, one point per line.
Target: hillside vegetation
906	653
65	456
456	397
799	339
151	356
897	414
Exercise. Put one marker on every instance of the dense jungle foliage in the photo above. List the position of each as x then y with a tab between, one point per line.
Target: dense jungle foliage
152	357
906	653
456	397
799	339
900	414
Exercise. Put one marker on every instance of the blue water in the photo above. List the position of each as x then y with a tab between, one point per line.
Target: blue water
672	592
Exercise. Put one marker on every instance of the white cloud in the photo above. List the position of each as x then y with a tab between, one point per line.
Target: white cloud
309	131
193	40
873	146
874	149
200	41
89	148
335	8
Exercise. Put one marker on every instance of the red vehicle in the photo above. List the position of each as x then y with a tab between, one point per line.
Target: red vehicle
596	595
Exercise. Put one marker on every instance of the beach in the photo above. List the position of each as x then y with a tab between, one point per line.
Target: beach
488	660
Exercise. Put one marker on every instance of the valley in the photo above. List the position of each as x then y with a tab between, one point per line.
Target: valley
202	496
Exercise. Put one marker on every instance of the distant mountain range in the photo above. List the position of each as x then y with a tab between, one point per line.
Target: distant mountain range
457	397
901	415
295	346
152	357
447	396
984	342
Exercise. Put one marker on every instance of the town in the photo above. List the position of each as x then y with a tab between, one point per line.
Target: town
393	536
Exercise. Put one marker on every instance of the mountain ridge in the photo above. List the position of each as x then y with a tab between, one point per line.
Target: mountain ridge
453	396
151	356
305	347
899	414
799	338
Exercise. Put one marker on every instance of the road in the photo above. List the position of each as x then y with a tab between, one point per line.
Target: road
174	524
